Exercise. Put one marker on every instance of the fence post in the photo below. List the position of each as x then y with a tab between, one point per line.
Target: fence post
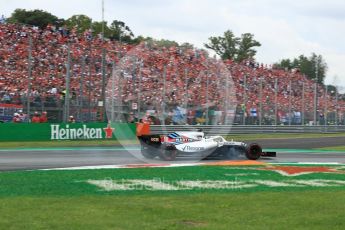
303	105
290	95
315	103
260	102
68	72
112	91
226	100
104	78
164	91
325	114
81	95
186	93
139	90
276	101
336	107
207	109
29	80
244	99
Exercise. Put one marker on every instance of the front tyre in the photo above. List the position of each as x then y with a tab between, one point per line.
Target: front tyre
253	151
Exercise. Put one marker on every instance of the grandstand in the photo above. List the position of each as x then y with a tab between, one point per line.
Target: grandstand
263	95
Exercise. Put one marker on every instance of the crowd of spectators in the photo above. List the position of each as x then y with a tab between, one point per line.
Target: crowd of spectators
181	82
21	117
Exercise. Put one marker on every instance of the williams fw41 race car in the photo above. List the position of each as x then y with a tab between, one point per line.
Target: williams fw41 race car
168	147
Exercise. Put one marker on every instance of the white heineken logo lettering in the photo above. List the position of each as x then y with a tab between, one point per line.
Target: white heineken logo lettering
67	133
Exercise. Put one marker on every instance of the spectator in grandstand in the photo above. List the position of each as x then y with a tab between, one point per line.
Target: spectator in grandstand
132	118
200	117
53	90
147	119
179	115
36	118
22	116
44	118
71	119
155	120
6	98
16	118
190	117
168	121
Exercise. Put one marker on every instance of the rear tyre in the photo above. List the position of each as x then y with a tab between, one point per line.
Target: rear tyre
253	151
168	154
148	152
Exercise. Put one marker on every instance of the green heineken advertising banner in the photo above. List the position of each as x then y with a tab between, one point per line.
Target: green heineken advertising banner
74	131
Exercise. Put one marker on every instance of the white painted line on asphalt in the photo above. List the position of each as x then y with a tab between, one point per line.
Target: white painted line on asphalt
306	163
175	165
124	166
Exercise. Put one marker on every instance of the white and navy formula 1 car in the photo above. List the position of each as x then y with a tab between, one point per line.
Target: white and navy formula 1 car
168	147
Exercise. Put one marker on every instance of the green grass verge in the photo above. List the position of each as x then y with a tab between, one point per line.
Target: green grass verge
75	182
334	148
265	210
64	200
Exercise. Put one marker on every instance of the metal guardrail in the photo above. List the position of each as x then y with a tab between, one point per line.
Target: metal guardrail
240	129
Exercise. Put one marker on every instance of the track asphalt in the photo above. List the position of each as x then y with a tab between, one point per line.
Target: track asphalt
288	150
302	143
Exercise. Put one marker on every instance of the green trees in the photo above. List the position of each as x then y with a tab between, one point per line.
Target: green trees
229	46
38	18
120	31
80	21
314	67
96	28
224	46
117	30
246	47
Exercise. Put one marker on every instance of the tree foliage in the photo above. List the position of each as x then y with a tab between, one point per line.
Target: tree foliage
224	46
80	22
229	46
120	31
314	67
331	89
165	43
97	28
245	48
156	42
117	30
36	17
